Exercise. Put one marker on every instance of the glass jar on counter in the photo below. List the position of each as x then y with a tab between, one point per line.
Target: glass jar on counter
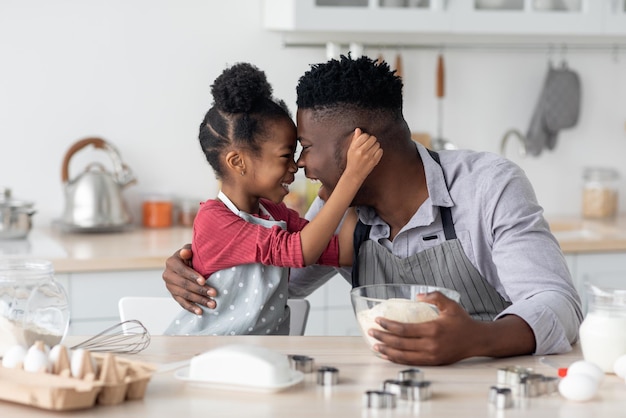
33	305
600	193
186	211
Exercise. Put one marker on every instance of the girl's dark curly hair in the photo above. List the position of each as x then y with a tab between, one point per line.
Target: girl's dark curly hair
350	83
243	106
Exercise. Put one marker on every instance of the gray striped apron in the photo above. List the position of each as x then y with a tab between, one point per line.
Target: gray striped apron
445	265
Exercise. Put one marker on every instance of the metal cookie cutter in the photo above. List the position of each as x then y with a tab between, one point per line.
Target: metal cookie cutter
551	384
512	375
409	390
327	376
500	397
531	385
301	363
379	399
415	375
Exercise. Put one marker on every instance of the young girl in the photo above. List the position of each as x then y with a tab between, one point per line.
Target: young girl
245	240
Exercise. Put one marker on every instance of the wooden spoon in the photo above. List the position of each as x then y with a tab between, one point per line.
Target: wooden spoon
398	65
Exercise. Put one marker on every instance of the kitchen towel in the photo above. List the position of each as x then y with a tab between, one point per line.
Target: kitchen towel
558	108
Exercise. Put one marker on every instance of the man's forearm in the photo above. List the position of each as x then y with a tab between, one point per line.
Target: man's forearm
505	337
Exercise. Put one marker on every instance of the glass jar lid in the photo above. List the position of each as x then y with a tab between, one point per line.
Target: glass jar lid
600	174
12	269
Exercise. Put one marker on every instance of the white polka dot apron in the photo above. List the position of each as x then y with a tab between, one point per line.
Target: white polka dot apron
251	298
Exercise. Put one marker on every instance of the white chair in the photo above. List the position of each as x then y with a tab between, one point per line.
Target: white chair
156	313
299	315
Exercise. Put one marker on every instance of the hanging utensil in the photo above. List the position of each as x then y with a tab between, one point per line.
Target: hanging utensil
380	59
398	65
439	142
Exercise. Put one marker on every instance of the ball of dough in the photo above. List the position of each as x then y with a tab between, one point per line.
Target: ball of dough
404	310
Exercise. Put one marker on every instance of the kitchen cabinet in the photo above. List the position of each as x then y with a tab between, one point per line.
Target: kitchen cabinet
93	296
615	17
354	16
527	17
451	17
331	310
606	266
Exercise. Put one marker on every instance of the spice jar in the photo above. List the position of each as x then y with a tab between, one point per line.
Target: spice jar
33	305
600	193
157	211
187	210
603	331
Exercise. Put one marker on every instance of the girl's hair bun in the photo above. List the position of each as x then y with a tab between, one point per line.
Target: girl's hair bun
239	88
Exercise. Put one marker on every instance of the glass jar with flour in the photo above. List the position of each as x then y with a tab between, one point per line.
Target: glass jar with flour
600	193
33	305
603	331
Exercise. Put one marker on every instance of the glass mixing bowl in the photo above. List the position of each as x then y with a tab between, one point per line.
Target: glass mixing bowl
397	302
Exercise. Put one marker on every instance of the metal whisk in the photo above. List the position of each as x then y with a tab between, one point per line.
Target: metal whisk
126	337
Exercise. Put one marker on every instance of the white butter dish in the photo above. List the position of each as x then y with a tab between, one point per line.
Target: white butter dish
241	367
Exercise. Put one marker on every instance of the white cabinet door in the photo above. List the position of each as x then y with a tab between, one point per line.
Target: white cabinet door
331	310
615	17
524	17
360	16
94	296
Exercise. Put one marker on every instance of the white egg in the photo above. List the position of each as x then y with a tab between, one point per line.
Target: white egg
76	363
578	387
586	367
35	360
14	356
53	355
619	367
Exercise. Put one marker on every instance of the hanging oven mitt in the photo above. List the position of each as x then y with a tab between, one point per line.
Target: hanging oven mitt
558	108
562	102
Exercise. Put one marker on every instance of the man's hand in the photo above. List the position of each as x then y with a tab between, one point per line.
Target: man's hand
185	284
452	337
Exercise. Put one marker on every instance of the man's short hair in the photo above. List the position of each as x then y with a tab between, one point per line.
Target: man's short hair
351	83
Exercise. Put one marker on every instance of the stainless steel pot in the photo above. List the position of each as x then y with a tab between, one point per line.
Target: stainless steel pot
15	216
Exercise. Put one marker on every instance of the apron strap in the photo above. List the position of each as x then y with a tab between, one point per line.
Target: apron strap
361	234
446	213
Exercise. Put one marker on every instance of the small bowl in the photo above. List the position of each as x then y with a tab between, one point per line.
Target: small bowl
397	302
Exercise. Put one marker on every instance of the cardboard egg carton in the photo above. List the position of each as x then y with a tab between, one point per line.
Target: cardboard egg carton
112	381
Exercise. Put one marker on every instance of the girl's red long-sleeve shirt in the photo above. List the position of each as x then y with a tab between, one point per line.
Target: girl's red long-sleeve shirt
222	239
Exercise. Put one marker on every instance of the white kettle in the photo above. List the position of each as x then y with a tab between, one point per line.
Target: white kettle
93	200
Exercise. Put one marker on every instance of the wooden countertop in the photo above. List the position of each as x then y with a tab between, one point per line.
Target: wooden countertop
576	235
146	249
458	390
135	249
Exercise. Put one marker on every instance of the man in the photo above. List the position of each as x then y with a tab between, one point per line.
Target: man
458	219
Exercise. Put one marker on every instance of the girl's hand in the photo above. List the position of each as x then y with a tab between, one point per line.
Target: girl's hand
363	155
